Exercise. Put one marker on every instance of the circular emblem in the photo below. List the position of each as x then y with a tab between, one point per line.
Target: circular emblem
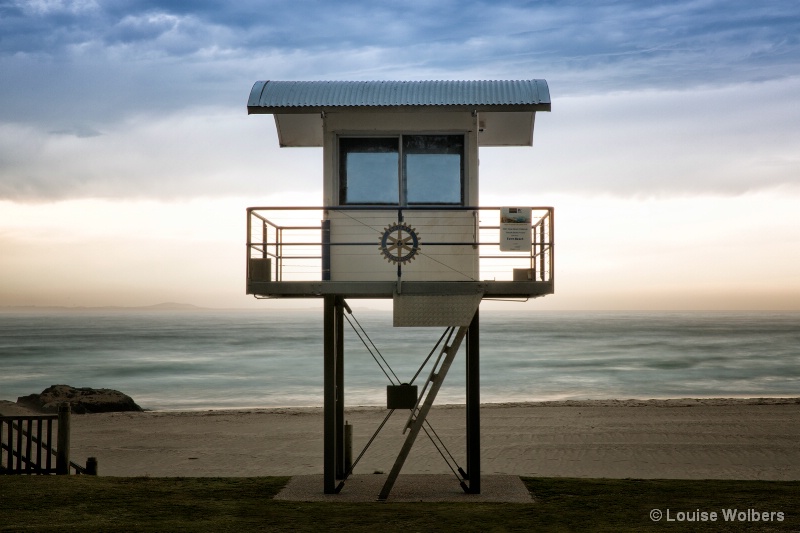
399	243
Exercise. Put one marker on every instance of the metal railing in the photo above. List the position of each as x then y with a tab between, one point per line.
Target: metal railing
288	243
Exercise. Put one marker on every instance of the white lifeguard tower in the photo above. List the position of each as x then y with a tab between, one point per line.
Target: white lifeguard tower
401	219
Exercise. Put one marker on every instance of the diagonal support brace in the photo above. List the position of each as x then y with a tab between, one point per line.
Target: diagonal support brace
419	420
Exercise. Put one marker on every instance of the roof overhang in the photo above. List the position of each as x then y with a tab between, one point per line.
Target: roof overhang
506	109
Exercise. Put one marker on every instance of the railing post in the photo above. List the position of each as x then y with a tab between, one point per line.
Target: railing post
264	251
534	248
62	454
551	237
326	250
541	254
279	254
248	246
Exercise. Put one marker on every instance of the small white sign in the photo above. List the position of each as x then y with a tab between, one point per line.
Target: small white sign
515	229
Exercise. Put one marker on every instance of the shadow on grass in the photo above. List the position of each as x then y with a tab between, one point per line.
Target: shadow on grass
81	503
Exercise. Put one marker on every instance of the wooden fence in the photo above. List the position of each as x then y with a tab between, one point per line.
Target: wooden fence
29	443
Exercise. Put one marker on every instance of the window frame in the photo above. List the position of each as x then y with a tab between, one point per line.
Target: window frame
402	179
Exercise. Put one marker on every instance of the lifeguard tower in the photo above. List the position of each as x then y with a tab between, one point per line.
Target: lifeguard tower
401	219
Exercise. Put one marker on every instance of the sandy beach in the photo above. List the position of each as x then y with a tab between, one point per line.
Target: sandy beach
690	439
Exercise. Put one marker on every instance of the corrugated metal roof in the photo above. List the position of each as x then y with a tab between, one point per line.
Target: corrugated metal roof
300	96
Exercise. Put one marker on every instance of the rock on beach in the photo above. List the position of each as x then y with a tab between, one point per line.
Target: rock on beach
82	400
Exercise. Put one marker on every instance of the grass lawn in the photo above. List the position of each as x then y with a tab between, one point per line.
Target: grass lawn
83	503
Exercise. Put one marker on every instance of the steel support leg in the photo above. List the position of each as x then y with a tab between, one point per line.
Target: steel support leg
339	411
331	449
329	397
474	406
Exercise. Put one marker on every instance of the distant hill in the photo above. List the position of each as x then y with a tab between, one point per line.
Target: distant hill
170	306
166	306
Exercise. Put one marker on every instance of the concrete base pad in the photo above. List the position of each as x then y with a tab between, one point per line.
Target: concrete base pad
407	488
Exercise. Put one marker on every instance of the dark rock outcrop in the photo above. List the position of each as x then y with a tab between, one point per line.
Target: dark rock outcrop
82	400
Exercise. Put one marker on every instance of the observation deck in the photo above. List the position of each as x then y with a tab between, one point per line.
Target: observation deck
377	252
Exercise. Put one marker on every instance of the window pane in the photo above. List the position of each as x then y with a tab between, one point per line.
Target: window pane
433	168
368	171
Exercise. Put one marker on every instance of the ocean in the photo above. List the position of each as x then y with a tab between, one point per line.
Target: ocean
188	360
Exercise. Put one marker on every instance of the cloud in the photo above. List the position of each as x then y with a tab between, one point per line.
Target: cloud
196	153
726	141
729	140
590	46
147	98
81	131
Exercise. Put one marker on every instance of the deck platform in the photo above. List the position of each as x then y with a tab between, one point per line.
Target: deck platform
386	289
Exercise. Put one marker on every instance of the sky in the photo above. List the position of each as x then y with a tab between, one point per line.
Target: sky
671	155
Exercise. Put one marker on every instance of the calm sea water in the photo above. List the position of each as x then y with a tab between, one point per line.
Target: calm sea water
232	359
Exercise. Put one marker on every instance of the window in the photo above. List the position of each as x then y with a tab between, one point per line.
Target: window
368	170
402	170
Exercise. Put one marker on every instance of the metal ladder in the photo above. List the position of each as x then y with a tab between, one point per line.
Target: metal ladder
418	414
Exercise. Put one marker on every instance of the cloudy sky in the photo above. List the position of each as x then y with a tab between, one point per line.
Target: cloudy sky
671	155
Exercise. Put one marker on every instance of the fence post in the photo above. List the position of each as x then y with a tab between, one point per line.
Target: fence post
62	453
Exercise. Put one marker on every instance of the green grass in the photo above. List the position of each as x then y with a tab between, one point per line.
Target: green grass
83	503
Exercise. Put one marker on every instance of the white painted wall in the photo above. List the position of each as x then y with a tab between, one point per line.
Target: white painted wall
365	262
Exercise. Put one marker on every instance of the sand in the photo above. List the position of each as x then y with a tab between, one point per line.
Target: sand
687	439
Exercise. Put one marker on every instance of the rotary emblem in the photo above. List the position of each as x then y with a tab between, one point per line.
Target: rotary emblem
399	243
